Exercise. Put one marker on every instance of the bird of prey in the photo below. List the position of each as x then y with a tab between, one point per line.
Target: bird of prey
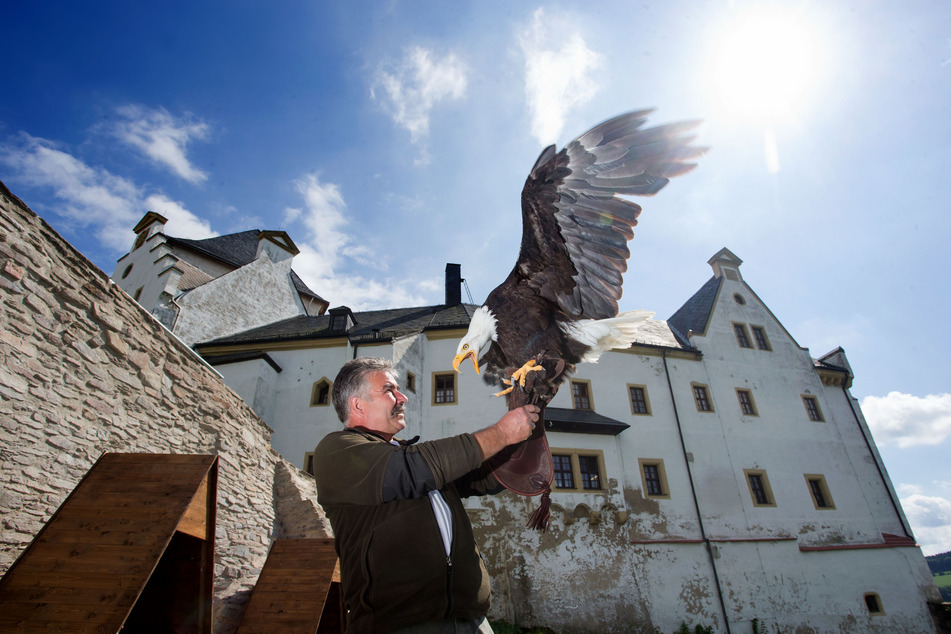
559	305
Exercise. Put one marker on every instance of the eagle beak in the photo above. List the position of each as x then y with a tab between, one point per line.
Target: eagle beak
459	358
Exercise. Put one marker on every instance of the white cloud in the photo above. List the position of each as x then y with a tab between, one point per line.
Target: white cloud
417	83
330	251
181	222
162	137
930	519
908	420
558	67
93	198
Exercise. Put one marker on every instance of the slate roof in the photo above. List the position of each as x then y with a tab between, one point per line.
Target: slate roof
695	312
372	325
580	421
237	250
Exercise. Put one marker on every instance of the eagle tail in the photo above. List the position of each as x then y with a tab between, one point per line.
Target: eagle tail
612	333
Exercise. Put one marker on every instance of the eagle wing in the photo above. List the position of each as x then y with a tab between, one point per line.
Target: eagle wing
575	228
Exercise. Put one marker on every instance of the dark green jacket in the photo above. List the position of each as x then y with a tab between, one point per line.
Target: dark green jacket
394	569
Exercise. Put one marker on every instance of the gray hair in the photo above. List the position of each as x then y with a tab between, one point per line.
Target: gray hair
352	381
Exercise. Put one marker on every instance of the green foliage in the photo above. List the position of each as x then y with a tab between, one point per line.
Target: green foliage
939	563
697	629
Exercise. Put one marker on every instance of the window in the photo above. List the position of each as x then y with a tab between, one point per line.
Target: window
745	397
739	299
590	473
702	398
410	382
639	402
578	470
126	272
580	394
759	336
812	408
138	293
821	498
873	604
444	388
759	487
320	393
338	323
309	462
653	478
140	239
742	337
564	477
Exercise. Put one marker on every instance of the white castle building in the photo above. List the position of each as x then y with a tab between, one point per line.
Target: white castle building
713	474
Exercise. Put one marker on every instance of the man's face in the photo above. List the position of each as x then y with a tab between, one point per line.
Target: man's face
384	408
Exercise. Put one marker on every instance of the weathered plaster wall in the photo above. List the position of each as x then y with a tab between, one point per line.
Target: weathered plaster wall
256	294
85	370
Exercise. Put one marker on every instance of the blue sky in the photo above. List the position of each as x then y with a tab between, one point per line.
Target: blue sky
389	138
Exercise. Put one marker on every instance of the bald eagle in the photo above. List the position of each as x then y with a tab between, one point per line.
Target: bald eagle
559	305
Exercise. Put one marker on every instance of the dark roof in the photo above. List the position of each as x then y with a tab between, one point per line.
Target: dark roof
237	250
580	421
371	325
695	312
238	357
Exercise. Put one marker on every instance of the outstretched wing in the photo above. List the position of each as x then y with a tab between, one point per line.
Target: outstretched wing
575	228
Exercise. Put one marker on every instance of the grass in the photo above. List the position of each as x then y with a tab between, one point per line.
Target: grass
943	580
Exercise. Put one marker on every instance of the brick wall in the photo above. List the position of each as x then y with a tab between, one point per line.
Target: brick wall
84	370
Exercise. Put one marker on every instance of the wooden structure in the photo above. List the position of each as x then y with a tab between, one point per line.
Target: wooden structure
131	549
298	591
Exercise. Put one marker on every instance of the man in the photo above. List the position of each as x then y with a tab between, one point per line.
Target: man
409	561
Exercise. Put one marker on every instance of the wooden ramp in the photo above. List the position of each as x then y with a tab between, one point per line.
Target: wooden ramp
298	591
131	549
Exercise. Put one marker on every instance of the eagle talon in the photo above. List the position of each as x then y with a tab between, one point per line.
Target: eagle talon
521	374
504	392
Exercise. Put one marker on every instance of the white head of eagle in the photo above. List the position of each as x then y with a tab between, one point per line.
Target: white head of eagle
477	341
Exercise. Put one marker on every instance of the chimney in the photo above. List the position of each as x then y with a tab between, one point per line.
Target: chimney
453	284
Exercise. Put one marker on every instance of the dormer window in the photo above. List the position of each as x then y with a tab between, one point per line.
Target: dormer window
341	320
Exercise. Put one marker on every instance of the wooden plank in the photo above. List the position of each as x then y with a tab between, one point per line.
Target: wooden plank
292	590
89	565
195	520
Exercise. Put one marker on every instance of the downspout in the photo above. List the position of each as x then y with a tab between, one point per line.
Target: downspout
878	467
696	502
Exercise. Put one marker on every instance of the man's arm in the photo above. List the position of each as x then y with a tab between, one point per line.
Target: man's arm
514	427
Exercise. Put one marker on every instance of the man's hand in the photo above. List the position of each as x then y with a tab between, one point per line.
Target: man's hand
514	427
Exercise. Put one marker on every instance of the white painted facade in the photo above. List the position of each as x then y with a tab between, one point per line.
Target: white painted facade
702	551
198	296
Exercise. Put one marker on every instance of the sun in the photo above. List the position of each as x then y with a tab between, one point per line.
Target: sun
765	64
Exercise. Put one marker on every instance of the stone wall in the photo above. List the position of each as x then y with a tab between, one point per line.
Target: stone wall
85	370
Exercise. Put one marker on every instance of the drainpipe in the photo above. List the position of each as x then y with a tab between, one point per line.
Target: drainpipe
696	502
881	474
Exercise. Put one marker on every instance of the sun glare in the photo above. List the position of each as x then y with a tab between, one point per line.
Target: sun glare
765	64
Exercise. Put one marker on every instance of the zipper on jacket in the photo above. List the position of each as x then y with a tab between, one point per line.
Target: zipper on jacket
448	585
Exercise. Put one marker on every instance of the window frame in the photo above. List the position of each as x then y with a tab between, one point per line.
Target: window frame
764	483
809	398
308	462
578	482
314	392
642	464
455	388
410	382
823	491
586	383
707	397
878	602
742	334
758	333
752	403
647	400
